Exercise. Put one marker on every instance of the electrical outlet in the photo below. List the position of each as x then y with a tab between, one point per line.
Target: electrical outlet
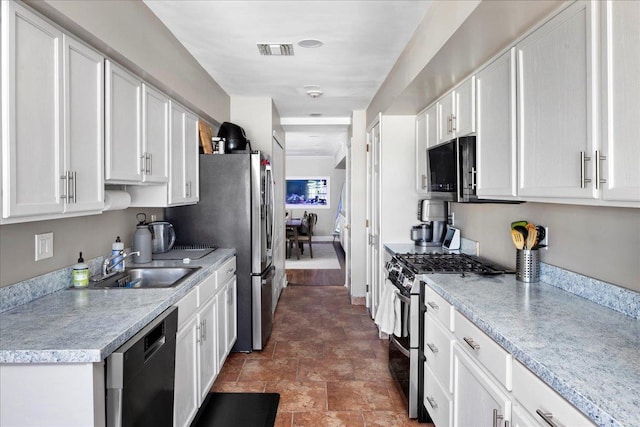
44	246
545	241
452	218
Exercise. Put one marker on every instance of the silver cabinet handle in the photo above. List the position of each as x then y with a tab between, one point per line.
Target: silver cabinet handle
496	417
472	344
454	123
547	417
204	330
432	402
186	189
599	159
474	174
583	179
433	305
199	333
449	125
231	271
432	347
150	164
424	181
71	198
143	164
65	179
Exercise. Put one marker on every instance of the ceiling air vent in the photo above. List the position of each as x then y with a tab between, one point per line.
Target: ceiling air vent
275	49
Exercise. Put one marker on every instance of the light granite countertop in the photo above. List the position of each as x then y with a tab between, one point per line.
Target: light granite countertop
588	353
87	325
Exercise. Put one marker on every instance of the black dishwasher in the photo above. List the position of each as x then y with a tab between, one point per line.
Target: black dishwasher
140	376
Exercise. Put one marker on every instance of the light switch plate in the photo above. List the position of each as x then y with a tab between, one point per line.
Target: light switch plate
44	246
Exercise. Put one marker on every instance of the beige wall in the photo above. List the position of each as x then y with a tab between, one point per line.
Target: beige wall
319	166
92	235
598	242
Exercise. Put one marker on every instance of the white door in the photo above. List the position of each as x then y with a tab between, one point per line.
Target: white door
208	357
123	144
464	119
477	399
621	110
556	106
186	392
346	227
32	158
374	219
83	126
155	135
496	138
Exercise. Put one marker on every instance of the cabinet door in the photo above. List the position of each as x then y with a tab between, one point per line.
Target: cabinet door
432	125
555	106
177	176
221	326
464	117
123	147
477	399
155	135
446	108
32	105
83	126
208	355
191	155
232	316
496	139
421	153
621	110
186	391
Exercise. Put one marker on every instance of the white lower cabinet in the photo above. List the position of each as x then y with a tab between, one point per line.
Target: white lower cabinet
200	353
438	401
478	400
541	403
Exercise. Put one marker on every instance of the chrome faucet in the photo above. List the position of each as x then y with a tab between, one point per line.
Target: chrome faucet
120	256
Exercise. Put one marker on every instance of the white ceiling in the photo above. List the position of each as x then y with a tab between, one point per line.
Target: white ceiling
361	42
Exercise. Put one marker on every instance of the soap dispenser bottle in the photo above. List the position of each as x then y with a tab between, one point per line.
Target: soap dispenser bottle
116	249
80	274
142	240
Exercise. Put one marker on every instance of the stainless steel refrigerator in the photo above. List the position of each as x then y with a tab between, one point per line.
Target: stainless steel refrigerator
236	211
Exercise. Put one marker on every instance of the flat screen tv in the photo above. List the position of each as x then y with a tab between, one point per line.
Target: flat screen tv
308	192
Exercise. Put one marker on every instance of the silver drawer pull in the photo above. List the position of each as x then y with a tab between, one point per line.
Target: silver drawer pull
471	343
432	347
547	417
432	402
231	271
433	305
496	418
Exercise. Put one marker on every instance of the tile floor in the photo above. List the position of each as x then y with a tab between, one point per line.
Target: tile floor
326	361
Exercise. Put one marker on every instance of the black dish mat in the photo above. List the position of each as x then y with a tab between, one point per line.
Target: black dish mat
238	410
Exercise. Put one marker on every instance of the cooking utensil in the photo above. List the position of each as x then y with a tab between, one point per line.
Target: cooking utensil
523	230
518	239
532	238
541	233
521	223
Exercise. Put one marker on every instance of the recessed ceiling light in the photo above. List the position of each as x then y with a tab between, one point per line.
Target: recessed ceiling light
310	43
315	114
314	93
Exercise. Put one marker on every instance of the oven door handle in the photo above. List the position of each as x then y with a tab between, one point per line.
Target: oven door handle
404	299
403	350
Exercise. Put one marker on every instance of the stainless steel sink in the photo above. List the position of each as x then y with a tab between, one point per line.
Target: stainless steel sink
146	278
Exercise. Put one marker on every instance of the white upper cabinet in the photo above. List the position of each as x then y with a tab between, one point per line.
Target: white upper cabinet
496	137
83	126
457	112
183	183
123	136
32	104
426	136
155	135
618	171
556	106
52	96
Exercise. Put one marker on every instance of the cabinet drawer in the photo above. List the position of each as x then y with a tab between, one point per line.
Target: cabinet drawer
439	307
437	401
225	272
538	398
438	344
486	351
187	307
206	289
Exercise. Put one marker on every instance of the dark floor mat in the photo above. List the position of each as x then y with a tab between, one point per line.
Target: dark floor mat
238	409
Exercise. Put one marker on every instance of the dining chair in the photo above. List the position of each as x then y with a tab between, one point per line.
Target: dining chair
306	235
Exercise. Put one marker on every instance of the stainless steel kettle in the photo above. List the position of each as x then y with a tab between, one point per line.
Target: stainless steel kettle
163	236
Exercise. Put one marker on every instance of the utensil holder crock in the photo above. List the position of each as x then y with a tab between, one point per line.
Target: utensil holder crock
527	265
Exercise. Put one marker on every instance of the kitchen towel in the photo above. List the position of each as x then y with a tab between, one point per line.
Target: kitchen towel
116	200
388	314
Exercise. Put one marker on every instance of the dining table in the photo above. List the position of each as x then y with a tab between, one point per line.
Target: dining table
292	225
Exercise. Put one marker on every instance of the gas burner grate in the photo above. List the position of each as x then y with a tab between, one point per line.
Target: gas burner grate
448	264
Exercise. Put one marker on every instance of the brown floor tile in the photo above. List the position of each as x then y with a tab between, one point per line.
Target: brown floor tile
298	349
325	370
389	419
298	396
231	369
269	370
328	419
366	395
349	349
371	370
284	419
236	387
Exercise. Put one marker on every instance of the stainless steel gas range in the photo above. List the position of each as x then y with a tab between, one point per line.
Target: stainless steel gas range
406	352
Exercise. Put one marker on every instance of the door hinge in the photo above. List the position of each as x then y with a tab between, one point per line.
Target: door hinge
367	148
367	223
366	288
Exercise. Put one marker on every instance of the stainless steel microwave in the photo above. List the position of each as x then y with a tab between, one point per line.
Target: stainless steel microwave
451	170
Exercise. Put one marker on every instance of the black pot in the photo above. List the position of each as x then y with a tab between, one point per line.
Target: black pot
234	135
